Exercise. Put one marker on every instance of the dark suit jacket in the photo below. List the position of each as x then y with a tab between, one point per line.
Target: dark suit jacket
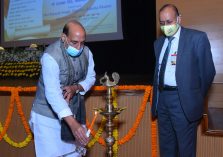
195	72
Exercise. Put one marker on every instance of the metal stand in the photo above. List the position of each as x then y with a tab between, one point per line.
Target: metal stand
109	111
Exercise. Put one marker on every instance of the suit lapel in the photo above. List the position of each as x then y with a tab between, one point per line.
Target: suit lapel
159	47
180	46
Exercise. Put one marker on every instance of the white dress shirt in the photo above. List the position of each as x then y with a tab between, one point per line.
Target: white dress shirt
169	76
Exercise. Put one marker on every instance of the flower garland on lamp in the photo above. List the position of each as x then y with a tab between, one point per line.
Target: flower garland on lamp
97	134
142	108
101	129
115	131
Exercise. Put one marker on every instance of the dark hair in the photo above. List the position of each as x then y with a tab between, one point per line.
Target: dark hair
171	6
66	27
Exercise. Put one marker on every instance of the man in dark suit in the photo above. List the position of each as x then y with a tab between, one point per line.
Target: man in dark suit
183	74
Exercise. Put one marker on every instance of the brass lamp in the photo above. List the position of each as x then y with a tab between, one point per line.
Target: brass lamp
109	111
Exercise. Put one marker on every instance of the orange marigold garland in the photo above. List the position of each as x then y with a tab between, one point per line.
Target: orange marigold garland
20	111
153	133
10	111
96	135
15	98
115	131
132	130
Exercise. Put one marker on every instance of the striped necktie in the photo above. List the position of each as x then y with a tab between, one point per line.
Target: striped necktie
164	61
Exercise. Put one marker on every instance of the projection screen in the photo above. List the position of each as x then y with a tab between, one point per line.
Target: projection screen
41	21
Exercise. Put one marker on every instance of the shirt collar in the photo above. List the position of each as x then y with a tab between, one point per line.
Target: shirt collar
177	34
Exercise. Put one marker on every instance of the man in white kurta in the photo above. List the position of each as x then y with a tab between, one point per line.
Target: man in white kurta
47	131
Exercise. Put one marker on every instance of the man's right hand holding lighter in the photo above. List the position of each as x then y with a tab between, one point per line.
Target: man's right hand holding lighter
78	130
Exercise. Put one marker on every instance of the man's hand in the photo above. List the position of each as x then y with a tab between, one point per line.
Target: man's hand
78	130
80	135
69	92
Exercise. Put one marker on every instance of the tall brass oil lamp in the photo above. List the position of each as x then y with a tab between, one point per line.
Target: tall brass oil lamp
109	112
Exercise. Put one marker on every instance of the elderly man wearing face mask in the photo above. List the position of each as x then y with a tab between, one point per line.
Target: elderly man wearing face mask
183	74
58	112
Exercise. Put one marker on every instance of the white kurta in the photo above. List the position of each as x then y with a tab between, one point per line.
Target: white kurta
47	136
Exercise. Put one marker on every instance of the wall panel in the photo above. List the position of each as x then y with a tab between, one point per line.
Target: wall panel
204	15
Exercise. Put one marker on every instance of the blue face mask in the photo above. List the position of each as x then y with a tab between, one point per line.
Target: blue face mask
73	51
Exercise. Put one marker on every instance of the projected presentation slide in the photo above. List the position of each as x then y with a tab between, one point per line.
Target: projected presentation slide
36	19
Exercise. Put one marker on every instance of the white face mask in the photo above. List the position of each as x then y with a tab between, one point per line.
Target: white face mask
72	51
